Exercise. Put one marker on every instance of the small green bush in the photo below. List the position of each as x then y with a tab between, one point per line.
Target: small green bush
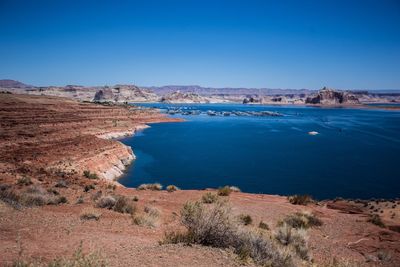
90	175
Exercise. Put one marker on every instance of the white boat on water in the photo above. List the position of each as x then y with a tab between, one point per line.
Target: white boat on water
313	133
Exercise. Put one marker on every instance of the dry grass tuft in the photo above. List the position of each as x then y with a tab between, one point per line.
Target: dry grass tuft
209	198
172	188
148	218
90	214
295	238
154	187
302	219
79	259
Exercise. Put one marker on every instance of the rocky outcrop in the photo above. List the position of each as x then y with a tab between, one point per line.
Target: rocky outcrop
125	93
328	96
117	93
178	97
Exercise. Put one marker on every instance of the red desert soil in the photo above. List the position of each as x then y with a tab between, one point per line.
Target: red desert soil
50	139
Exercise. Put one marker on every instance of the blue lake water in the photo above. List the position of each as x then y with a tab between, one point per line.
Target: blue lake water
356	154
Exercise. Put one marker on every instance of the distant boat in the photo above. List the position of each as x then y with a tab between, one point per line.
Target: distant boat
313	133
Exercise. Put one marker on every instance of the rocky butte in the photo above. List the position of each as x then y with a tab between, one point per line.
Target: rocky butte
328	96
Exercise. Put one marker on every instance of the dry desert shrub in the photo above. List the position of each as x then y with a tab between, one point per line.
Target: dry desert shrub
37	196
245	219
376	219
90	214
148	218
106	202
90	175
80	200
9	196
89	187
300	199
124	205
263	225
224	191
172	188
209	198
62	184
302	219
213	225
33	196
116	203
154	187
384	255
24	180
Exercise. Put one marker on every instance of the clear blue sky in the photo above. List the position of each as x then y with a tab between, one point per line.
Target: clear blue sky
274	44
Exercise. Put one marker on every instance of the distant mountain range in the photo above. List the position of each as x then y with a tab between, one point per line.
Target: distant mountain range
7	83
199	94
